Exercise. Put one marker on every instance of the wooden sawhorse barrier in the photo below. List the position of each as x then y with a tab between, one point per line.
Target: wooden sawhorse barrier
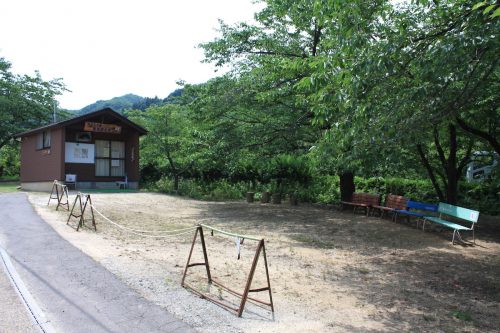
245	295
82	204
61	192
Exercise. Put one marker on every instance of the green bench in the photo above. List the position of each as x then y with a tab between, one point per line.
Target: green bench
462	214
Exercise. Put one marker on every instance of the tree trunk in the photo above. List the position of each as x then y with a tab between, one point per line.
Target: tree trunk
347	187
451	170
176	183
430	172
450	167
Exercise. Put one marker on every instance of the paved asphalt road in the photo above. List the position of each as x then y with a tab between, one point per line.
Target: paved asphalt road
13	314
75	293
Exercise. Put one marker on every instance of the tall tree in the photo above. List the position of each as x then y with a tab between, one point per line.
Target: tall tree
424	68
169	145
25	101
285	48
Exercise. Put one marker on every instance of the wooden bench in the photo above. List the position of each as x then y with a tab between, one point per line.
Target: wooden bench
462	214
392	202
363	200
416	209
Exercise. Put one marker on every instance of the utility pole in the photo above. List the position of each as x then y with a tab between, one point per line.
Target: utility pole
54	115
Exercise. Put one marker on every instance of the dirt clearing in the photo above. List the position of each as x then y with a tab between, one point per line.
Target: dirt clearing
330	271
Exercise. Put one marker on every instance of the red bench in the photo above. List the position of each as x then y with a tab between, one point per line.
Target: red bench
392	202
363	200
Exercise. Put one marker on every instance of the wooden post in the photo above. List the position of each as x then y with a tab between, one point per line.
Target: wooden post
59	196
199	230
83	206
260	247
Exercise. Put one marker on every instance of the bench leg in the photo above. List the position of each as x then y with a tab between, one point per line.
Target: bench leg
459	236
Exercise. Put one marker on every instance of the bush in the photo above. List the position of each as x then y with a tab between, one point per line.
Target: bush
9	162
198	189
483	197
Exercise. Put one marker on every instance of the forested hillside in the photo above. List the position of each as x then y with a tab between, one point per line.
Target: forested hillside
116	103
127	102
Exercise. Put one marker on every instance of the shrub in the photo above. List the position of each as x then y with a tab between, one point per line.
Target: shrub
483	197
201	190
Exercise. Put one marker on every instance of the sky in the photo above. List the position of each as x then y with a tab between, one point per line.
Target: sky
107	48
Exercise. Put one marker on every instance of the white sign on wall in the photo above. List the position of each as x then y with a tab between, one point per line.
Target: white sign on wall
79	153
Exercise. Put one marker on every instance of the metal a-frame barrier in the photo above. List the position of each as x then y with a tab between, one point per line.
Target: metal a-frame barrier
261	248
82	205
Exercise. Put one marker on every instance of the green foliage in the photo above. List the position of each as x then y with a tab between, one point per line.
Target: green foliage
419	190
321	189
9	161
202	190
491	8
384	80
26	102
465	316
170	146
482	196
286	172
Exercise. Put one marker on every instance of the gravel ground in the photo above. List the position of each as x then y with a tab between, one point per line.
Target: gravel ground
330	271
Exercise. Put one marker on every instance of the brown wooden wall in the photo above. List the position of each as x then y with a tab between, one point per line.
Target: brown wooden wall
45	164
86	172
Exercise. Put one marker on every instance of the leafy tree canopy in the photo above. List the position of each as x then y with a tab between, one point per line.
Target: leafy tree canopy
26	102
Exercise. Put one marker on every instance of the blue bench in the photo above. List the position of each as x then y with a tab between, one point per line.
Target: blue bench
463	214
420	210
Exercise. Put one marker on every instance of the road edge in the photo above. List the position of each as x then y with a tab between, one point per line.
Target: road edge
27	299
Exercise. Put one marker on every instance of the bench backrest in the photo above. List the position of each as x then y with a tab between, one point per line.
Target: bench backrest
422	206
366	198
460	212
395	201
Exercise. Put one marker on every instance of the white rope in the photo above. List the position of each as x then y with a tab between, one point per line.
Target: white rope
231	234
142	235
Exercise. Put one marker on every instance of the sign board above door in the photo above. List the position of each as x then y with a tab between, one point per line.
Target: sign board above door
102	128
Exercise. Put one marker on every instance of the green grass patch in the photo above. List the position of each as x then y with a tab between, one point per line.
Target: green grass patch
8	187
108	190
465	316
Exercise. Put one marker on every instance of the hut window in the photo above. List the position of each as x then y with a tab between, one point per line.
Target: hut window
43	140
110	158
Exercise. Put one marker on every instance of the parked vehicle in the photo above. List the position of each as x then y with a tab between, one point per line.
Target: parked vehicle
481	166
